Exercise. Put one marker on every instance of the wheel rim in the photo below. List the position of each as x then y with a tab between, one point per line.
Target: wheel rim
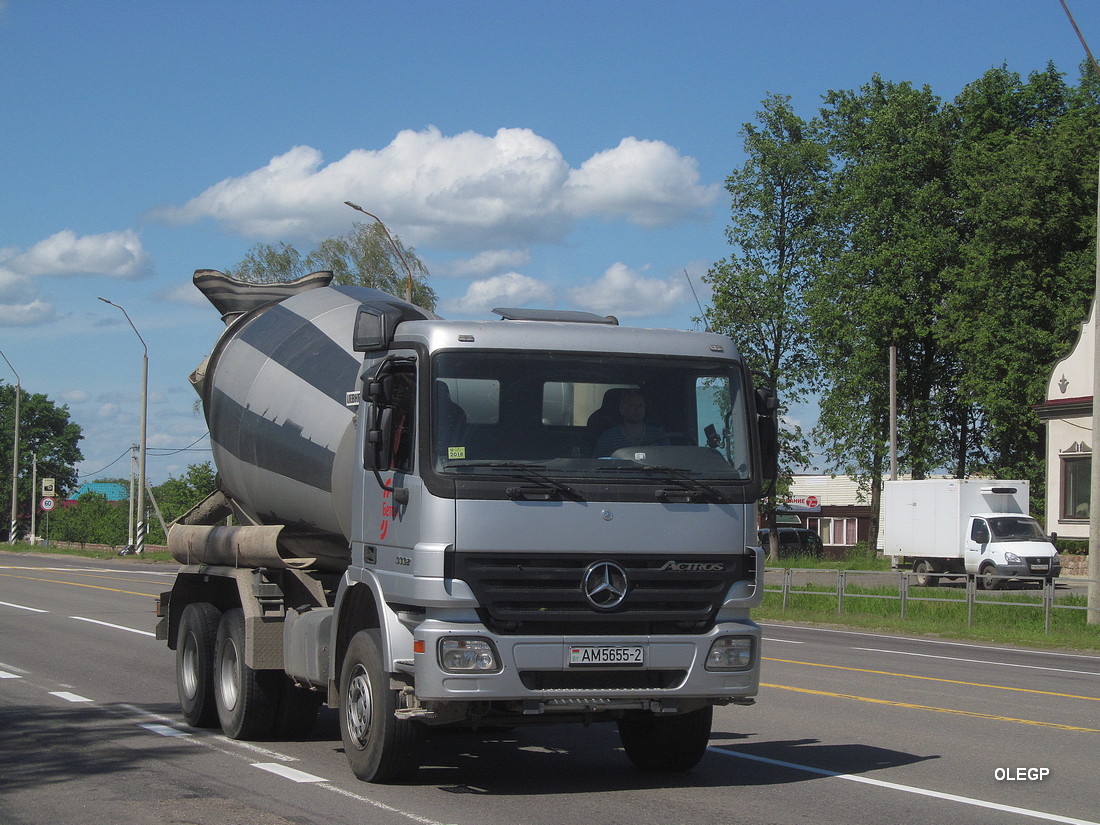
229	678
359	709
189	672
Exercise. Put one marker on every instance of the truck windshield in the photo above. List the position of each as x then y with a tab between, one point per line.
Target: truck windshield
564	415
1016	528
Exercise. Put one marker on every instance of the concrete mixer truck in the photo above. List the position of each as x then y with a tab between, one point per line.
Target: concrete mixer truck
423	522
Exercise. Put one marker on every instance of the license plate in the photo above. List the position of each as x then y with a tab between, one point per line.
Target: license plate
607	656
1038	567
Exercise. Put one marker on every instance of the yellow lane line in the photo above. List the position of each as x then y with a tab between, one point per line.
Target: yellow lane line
896	704
935	679
81	584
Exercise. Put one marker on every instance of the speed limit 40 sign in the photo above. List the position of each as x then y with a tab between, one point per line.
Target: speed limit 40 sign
48	503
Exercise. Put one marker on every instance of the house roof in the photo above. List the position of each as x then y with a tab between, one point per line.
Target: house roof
110	490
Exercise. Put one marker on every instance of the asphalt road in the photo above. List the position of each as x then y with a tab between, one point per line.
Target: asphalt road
848	728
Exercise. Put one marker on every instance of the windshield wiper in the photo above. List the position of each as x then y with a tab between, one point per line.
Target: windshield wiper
528	471
685	479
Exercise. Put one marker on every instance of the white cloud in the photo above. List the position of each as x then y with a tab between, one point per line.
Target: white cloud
111	254
26	314
623	292
462	191
510	289
185	293
64	254
645	181
74	396
490	261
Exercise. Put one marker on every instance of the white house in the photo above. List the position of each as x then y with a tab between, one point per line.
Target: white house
1067	413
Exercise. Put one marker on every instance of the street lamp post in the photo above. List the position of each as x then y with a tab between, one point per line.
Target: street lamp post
14	456
139	539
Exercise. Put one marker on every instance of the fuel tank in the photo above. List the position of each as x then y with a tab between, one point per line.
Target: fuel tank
276	395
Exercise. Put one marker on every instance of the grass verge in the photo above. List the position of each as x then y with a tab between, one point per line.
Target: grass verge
22	548
1000	617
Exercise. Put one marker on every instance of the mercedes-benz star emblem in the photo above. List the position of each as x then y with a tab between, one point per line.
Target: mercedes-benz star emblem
605	584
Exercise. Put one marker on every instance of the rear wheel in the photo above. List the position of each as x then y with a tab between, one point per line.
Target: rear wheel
668	744
246	698
195	645
923	570
379	746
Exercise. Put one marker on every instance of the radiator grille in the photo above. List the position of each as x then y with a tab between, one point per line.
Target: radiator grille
544	595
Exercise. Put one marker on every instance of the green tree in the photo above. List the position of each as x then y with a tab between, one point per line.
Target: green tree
264	263
892	239
46	431
759	291
178	495
364	257
93	520
1024	172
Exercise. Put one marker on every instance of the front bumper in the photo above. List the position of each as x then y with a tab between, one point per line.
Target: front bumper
535	669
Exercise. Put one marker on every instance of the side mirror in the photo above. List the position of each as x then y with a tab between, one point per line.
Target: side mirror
376	453
767	423
375	326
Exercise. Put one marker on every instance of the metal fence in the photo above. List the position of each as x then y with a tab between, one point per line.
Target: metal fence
1046	594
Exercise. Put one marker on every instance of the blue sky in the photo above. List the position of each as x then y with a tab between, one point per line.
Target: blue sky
566	154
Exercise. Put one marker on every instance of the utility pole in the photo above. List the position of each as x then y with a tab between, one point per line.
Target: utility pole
34	498
14	456
139	538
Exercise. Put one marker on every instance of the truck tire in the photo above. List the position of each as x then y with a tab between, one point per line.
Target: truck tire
667	744
379	746
987	577
198	632
246	698
922	568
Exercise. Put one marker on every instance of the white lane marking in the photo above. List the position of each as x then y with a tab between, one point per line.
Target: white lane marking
164	730
208	740
69	697
292	774
23	607
784	641
5	675
382	806
114	626
212	744
948	797
979	661
933	641
256	749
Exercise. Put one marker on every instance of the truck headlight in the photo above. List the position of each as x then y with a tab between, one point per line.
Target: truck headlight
731	653
1012	558
465	655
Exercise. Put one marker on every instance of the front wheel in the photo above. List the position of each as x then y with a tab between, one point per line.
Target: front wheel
379	746
667	744
988	578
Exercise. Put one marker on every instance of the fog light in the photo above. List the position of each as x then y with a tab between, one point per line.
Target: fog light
457	655
731	653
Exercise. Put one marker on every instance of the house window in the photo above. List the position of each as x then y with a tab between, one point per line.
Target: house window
835	531
1076	481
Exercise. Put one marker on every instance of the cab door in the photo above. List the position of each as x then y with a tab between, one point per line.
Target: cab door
976	547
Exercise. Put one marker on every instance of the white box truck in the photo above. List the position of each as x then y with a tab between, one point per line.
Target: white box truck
975	526
428	532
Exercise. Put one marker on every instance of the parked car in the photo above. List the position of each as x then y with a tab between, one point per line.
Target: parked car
794	541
